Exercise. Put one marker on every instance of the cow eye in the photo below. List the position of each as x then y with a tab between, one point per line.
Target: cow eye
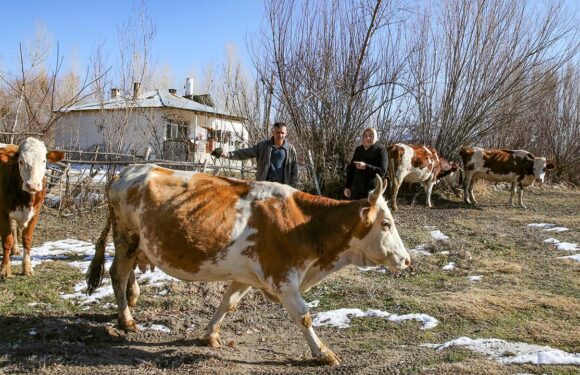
386	224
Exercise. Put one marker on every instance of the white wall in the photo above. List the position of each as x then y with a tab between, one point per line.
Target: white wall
81	129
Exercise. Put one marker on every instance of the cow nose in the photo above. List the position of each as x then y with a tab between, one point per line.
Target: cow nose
407	262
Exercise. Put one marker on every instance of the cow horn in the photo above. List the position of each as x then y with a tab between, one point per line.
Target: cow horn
376	193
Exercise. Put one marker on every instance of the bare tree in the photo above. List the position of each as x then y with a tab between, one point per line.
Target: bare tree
334	68
41	91
478	64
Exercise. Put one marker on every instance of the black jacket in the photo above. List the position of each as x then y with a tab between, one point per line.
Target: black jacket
361	181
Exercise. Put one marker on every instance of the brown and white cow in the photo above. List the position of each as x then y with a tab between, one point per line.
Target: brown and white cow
519	167
255	234
416	163
22	191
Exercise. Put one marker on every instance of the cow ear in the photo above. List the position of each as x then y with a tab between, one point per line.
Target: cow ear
550	165
368	215
54	156
9	154
530	156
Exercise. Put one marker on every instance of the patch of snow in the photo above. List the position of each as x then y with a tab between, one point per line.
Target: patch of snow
444	252
506	352
567	246
575	257
67	248
474	278
341	318
557	229
163	292
564	246
448	267
32	332
154	327
376	268
420	250
437	235
313	304
541	225
551	240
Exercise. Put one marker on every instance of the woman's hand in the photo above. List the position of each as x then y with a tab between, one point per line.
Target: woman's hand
360	165
346	192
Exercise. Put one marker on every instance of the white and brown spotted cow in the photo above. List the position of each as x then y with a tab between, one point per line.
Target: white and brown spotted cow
416	163
22	191
255	234
519	167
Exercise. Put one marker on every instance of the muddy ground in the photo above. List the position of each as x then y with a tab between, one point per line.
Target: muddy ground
526	294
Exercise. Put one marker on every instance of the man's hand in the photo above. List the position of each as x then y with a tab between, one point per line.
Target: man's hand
346	192
360	165
219	153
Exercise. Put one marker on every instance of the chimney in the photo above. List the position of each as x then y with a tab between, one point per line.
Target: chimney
136	90
115	93
188	88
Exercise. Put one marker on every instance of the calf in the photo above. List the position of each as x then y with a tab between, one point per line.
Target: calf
22	190
518	167
416	163
255	234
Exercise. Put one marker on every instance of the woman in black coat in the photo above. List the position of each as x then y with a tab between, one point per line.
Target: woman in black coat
369	159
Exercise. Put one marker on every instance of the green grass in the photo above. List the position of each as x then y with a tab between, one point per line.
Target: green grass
49	280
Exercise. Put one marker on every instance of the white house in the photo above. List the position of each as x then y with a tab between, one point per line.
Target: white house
175	127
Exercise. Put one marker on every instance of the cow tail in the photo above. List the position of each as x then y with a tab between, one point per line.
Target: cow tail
97	267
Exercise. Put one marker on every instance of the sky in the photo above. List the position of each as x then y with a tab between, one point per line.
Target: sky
190	34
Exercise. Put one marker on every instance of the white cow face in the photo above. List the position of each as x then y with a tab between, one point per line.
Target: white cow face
31	156
382	245
540	167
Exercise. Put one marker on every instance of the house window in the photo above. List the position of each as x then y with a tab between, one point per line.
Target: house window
176	131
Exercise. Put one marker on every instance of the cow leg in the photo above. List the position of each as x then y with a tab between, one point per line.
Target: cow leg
394	191
466	186
230	300
7	241
16	234
428	187
521	197
298	310
133	290
27	244
120	272
512	192
471	196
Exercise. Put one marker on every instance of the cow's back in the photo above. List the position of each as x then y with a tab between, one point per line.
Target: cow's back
413	163
182	219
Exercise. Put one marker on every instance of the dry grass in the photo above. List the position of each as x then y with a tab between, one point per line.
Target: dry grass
526	294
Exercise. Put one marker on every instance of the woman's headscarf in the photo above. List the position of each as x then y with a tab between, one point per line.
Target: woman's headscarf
375	134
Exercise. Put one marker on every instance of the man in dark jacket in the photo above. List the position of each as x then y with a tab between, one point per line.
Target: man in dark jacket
275	157
369	159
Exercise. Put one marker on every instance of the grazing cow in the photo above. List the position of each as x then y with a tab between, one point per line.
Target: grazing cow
256	234
22	190
16	231
416	163
519	167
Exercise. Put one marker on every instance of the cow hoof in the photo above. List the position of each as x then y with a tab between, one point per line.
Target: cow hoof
128	326
328	358
5	272
212	341
16	253
27	271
